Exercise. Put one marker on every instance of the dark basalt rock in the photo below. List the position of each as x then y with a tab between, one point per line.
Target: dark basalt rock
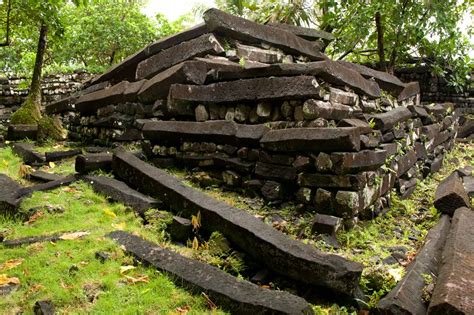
27	153
121	192
304	32
349	181
368	160
158	87
61	155
180	229
326	224
259	89
291	258
93	162
241	29
21	132
451	195
65	181
411	89
237	296
386	121
197	47
9	199
43	176
44	308
345	139
455	284
406	297
61	106
274	171
364	127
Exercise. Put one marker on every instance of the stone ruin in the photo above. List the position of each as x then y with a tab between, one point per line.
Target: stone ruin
260	109
263	110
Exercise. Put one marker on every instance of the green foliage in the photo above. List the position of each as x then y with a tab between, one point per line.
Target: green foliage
50	128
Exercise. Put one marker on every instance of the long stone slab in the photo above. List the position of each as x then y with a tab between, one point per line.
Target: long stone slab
451	195
65	181
260	89
27	153
20	132
454	290
313	109
248	31
198	47
406	297
330	71
61	155
411	89
121	192
272	248
348	182
388	120
63	105
93	162
367	160
126	70
43	176
9	200
237	296
386	81
42	238
194	72
304	32
343	139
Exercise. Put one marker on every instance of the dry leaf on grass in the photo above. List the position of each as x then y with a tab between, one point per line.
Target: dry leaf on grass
12	263
125	269
73	236
183	309
34	217
5	280
133	280
24	170
210	304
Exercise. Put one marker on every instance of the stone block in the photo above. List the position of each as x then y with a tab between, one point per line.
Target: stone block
258	54
352	182
388	120
93	162
367	160
313	109
21	132
276	172
451	195
326	224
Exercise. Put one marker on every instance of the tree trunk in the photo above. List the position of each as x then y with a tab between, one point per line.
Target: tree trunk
35	87
380	43
7	32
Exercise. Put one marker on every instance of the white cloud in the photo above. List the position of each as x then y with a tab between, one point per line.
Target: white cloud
175	8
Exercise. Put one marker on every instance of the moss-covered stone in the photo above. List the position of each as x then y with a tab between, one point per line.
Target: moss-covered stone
50	128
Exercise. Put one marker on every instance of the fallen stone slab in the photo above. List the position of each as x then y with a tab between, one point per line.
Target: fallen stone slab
407	296
273	88
44	238
193	72
44	308
386	81
247	31
233	163
411	89
326	224
21	132
455	284
43	176
451	195
468	183
466	129
61	155
388	120
304	32
197	47
313	109
180	229
344	139
362	125
237	296
65	181
367	160
278	252
121	192
9	199
258	54
126	70
63	105
93	162
27	153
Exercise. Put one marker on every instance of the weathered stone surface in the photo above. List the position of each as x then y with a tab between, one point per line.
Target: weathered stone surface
411	89
20	132
388	120
406	162
454	290
93	162
353	182
272	248
387	82
312	139
237	296
274	171
466	129
363	126
201	113
9	200
468	183
367	160
337	96
126	70
121	192
193	72
180	229
248	31
198	47
304	32
326	224
451	195
43	176
420	111
406	297
65	181
258	54
119	93
328	70
347	204
275	88
27	153
61	155
313	109
61	106
37	239
44	308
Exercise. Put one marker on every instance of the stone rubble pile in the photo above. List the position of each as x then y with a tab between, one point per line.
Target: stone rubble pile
261	109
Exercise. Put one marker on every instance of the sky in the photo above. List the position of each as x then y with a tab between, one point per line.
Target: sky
174	8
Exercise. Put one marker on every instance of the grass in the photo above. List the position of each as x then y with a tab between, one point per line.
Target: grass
67	272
